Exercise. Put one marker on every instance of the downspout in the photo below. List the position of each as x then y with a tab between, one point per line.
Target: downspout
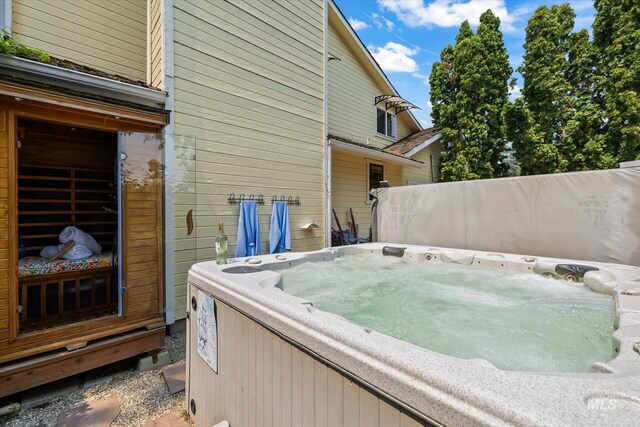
168	134
5	15
325	138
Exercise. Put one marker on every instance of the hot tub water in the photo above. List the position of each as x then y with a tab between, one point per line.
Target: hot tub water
515	321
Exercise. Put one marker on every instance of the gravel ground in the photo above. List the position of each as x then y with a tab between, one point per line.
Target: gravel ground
143	396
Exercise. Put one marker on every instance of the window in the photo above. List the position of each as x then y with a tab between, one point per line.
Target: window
385	123
376	174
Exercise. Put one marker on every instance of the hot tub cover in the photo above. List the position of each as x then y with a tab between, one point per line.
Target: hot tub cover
36	266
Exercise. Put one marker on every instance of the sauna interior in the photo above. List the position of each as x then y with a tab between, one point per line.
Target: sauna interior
67	176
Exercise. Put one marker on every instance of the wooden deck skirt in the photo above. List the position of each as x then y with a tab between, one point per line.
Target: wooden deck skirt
42	369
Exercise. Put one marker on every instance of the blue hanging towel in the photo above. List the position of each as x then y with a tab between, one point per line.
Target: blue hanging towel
248	230
280	232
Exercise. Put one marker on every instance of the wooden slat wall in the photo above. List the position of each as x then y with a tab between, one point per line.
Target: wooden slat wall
142	222
263	380
4	230
108	35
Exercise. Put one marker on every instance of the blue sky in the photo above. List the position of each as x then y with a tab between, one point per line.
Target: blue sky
406	36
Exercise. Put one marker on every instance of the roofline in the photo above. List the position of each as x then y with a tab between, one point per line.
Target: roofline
423	145
373	154
26	69
375	64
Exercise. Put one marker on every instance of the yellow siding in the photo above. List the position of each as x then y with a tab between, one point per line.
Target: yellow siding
352	91
155	35
430	156
108	35
349	188
249	88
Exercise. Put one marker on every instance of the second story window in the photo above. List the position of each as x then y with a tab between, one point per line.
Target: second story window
385	123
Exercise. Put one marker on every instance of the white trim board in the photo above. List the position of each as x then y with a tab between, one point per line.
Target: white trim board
423	145
374	154
5	15
169	234
325	140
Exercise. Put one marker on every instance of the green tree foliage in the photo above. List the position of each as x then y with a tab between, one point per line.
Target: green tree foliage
616	33
581	106
469	92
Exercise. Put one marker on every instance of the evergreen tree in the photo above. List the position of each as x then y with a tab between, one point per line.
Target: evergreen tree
496	89
616	32
558	125
545	86
469	91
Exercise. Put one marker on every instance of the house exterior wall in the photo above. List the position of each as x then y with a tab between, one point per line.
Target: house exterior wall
108	35
430	156
349	188
155	75
352	91
248	118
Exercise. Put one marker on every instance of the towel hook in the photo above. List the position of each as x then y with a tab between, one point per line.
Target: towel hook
251	197
232	199
282	198
260	200
242	197
290	200
297	201
274	199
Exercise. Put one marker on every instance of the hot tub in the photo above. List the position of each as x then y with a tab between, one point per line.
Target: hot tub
258	355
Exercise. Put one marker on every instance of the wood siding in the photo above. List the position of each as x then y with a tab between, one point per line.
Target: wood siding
430	156
249	98
5	292
352	91
108	35
349	188
156	27
263	380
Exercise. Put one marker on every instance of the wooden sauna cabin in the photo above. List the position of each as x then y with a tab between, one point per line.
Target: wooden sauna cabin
92	160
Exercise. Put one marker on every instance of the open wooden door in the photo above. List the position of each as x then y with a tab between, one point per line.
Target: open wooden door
140	255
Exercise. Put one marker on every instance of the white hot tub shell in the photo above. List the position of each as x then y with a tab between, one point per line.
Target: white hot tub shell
280	361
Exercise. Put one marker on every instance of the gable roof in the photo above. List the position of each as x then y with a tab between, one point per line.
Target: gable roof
414	143
334	7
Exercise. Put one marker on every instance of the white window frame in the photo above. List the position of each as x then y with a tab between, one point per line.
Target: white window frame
368	199
386	121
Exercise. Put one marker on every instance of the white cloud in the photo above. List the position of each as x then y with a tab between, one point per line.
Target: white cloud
515	93
395	58
447	13
381	22
424	78
357	24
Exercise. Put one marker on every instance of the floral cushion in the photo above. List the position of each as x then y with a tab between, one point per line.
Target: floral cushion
34	266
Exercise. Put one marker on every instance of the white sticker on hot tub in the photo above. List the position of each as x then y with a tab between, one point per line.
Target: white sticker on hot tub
207	330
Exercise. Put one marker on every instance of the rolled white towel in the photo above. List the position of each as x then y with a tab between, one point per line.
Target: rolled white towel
80	238
76	252
49	251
